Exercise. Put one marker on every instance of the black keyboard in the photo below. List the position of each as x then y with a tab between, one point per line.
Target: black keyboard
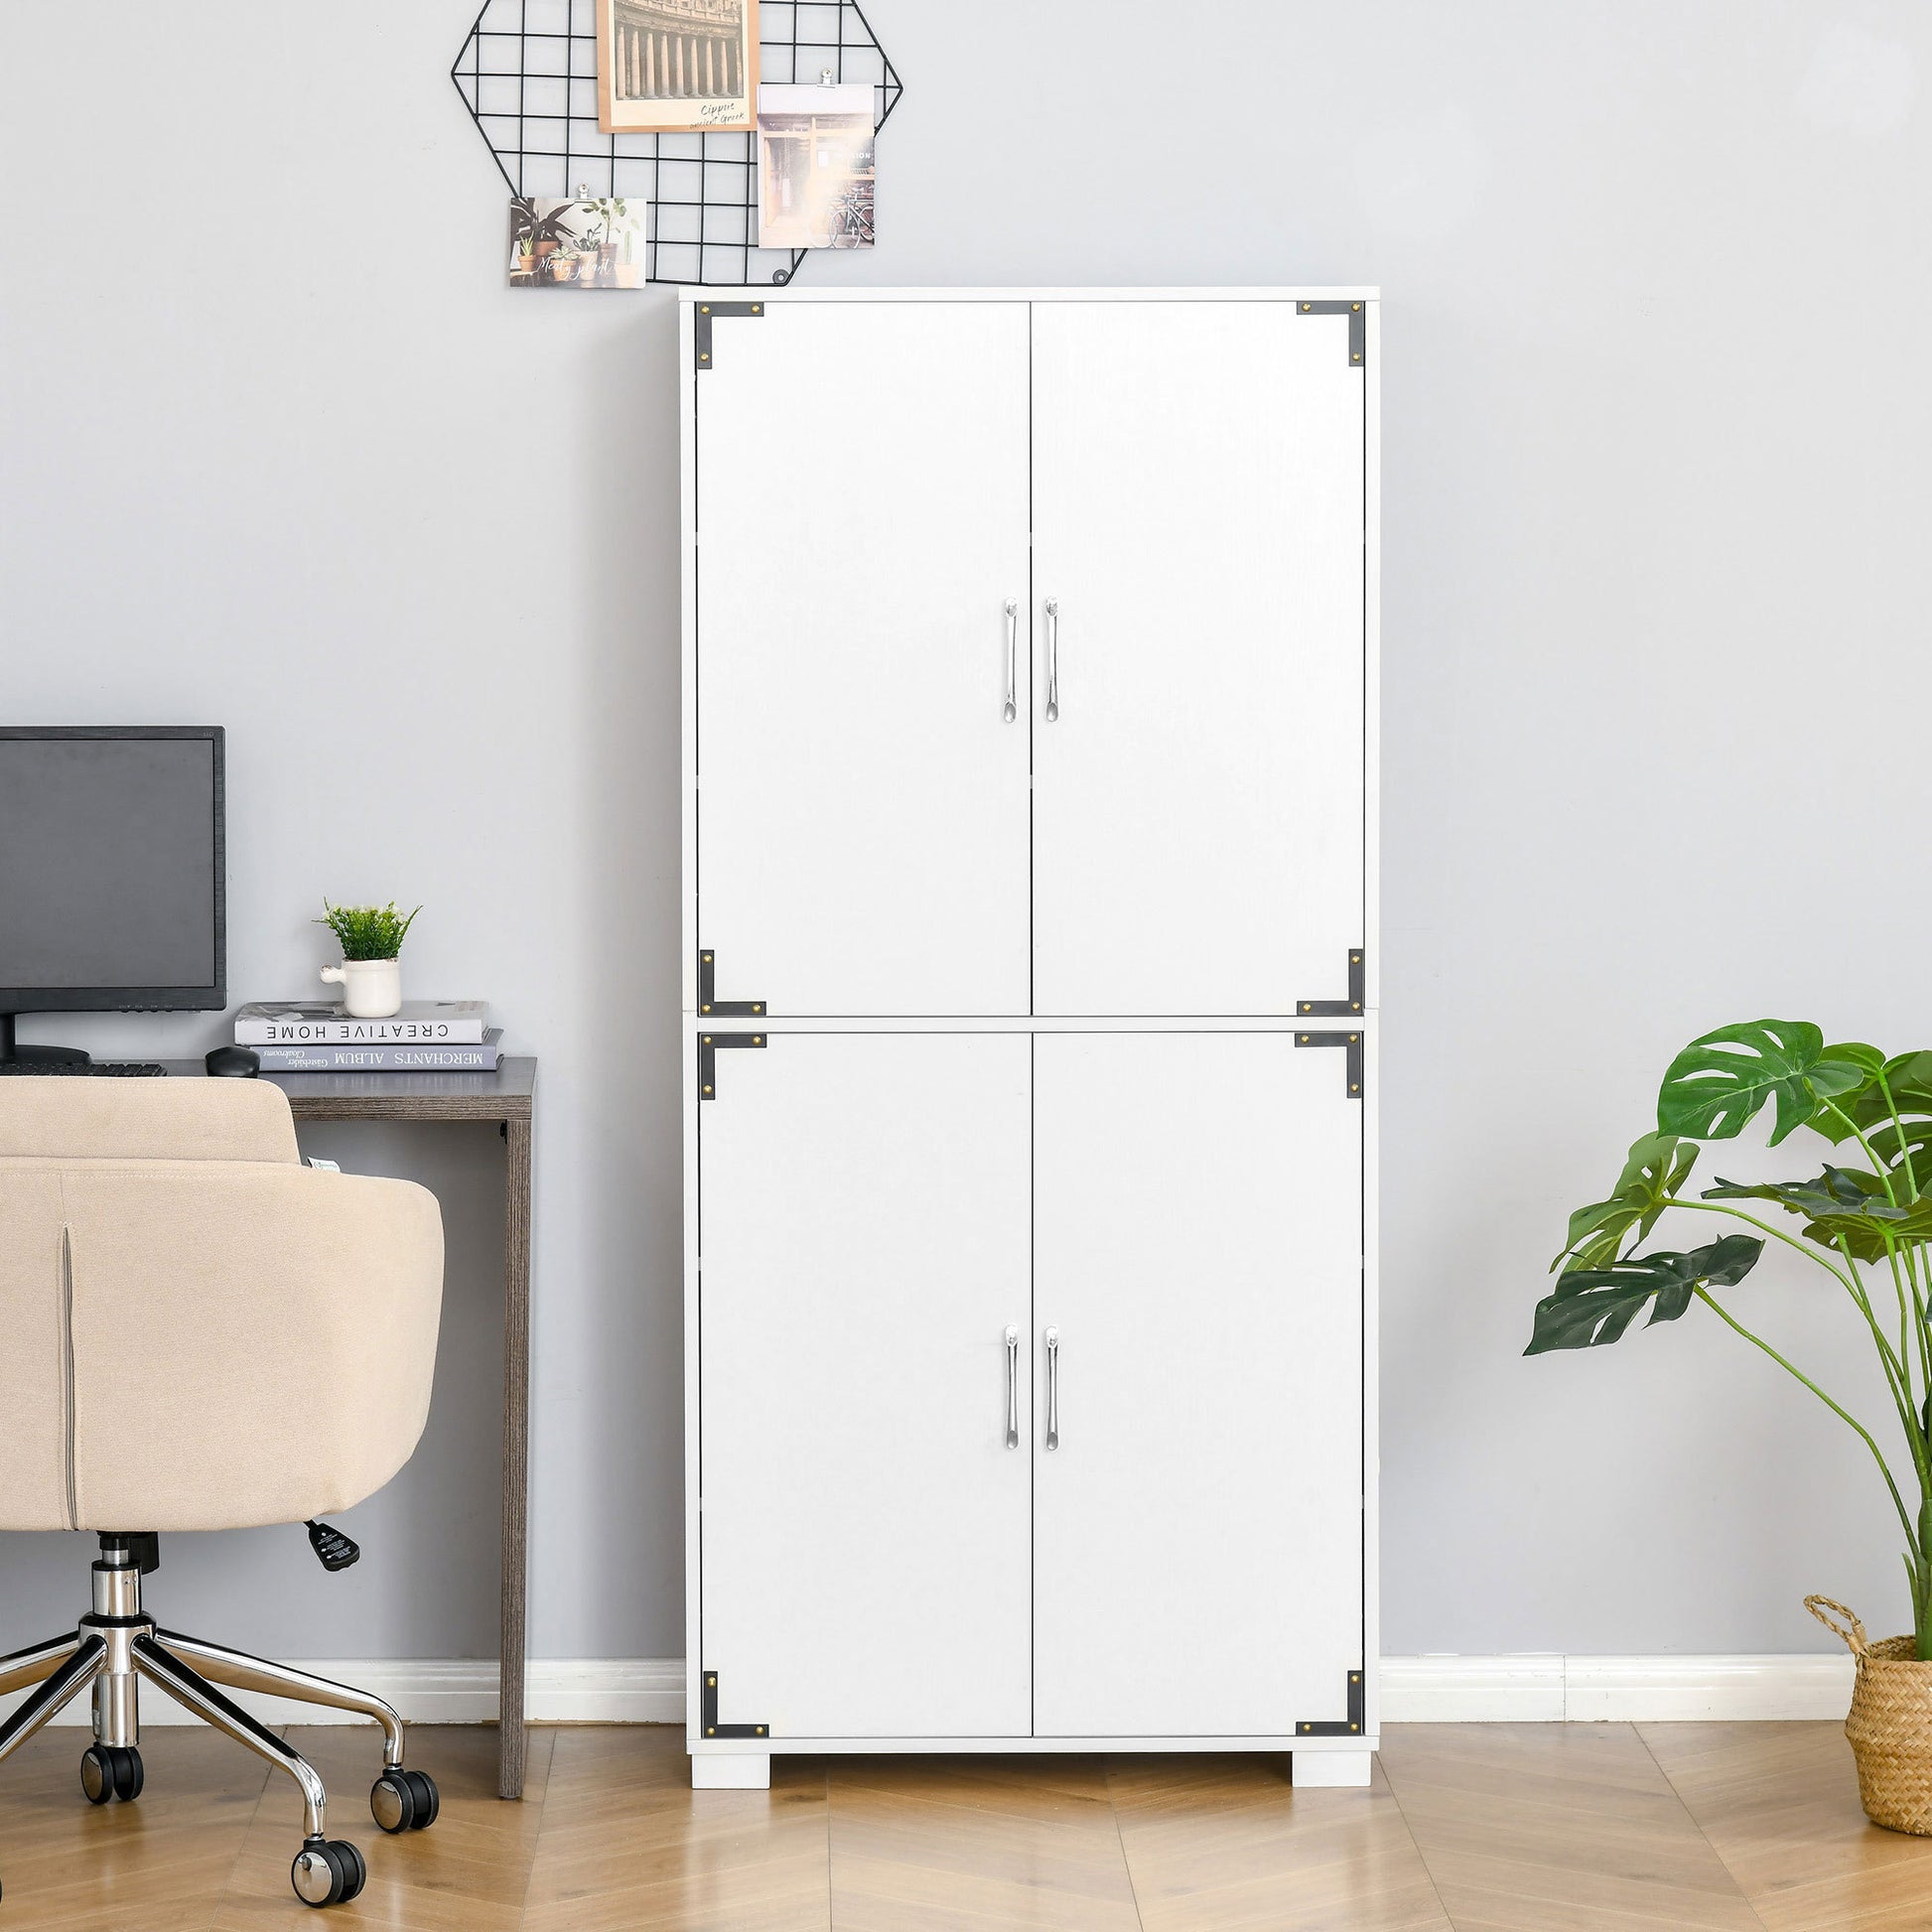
89	1070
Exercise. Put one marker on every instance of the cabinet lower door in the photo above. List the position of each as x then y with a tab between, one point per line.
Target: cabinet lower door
865	1533
1198	536
862	703
1198	1548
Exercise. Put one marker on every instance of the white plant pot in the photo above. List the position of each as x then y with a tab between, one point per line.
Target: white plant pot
372	988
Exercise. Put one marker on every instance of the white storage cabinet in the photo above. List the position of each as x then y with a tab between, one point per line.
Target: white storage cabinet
1028	892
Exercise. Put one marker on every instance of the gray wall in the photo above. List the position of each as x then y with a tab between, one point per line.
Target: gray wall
281	451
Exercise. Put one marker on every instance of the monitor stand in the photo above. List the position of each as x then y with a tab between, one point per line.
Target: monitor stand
11	1049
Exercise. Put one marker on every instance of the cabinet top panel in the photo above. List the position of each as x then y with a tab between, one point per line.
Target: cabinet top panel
1285	293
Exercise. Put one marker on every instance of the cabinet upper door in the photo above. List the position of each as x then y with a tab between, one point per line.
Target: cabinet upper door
864	1524
1199	520
1198	1555
861	529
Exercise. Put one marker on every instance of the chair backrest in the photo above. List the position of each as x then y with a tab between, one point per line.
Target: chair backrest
146	1120
196	1330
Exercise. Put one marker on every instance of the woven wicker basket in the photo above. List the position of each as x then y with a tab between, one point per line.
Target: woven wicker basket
1891	1725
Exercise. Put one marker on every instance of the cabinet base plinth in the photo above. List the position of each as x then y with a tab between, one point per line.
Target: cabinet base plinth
1314	1770
740	1771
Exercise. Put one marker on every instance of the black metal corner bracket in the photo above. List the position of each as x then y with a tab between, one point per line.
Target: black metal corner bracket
1348	1727
1357	326
708	999
1357	1058
1357	991
708	1706
701	331
708	1045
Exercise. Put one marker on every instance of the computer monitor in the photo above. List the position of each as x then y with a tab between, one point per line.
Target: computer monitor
111	872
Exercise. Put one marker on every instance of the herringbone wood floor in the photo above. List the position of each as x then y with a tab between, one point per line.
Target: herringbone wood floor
1485	1827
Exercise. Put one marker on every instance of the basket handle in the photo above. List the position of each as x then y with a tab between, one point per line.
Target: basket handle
1854	1638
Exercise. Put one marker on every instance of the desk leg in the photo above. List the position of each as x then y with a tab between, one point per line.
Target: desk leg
516	1455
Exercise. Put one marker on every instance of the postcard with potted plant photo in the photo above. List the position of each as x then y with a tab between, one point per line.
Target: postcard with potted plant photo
596	245
815	166
667	67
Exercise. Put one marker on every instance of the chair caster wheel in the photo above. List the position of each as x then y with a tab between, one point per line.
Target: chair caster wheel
110	1771
404	1801
328	1871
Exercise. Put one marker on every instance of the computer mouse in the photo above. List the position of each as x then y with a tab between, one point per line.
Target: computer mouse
236	1063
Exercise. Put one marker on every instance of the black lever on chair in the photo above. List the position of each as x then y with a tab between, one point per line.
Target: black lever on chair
333	1549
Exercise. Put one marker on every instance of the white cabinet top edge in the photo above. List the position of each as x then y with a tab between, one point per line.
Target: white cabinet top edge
688	294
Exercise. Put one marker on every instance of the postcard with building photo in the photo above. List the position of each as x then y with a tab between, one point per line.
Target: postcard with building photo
815	167
597	244
664	66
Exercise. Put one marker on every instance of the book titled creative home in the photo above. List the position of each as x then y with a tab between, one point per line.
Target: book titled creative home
317	1023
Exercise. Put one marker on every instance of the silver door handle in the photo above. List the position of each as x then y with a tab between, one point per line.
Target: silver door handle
1013	1387
1013	659
1052	1388
1052	658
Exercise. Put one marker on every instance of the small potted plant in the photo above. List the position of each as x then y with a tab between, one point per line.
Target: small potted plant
545	233
1867	1227
370	974
563	264
526	259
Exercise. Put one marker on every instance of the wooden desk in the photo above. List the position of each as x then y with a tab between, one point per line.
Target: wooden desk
507	1098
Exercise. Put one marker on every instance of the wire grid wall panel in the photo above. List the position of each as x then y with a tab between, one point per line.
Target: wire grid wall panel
527	75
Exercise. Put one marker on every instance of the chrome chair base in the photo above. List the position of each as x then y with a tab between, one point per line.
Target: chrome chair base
118	1645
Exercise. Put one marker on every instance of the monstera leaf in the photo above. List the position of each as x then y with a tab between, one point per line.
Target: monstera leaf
1658	1166
1719	1082
1868	1233
1591	1307
1893	1141
1865	1109
1836	1121
1837	1190
1841	1204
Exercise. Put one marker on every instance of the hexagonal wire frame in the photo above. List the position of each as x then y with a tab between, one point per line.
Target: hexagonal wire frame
527	75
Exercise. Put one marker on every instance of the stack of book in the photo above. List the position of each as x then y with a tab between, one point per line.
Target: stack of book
422	1036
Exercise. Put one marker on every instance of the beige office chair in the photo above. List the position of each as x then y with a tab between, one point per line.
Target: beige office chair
198	1332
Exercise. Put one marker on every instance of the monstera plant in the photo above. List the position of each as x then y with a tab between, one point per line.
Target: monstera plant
1864	1219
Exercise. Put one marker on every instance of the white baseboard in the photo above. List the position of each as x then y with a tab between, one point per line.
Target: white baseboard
1614	1690
462	1691
1541	1689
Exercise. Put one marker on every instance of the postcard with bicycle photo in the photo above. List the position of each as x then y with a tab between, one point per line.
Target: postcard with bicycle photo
815	166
